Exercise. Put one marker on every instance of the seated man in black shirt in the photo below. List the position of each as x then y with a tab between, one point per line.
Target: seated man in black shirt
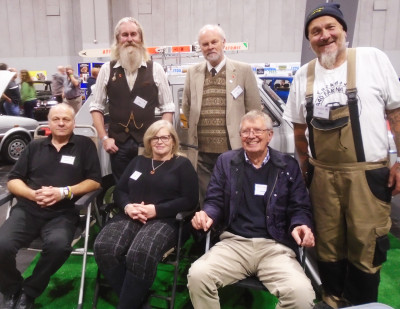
258	199
47	179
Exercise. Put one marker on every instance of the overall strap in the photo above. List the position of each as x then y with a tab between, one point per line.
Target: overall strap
310	104
351	92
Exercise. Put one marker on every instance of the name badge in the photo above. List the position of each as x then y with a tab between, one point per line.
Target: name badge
260	189
135	175
140	102
321	112
67	160
237	91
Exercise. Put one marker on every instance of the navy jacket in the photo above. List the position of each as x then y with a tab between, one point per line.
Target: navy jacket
286	199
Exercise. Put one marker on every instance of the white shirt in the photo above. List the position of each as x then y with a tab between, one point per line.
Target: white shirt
99	102
218	67
378	90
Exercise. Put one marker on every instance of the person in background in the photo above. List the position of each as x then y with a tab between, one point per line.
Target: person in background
258	202
339	104
3	67
217	93
72	89
152	190
47	179
57	83
12	96
92	80
28	94
131	86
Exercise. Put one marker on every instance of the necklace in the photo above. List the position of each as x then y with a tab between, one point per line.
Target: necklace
154	169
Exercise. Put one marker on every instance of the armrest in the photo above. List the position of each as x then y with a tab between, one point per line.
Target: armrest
6	197
184	215
84	201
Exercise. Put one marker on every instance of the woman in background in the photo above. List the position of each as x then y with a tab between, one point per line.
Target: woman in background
28	94
153	189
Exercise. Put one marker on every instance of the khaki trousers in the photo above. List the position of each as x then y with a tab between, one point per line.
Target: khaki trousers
349	218
234	257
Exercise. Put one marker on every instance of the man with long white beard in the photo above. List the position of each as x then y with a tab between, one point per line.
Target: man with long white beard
131	86
343	99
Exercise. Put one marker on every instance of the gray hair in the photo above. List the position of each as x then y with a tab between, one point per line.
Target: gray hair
212	28
114	46
255	114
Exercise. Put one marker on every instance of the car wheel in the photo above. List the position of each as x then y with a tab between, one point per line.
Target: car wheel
13	146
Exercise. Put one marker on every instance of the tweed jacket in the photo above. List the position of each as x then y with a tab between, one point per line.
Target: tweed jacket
286	200
237	74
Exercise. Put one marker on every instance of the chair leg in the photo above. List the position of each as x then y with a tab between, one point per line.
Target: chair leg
84	259
96	290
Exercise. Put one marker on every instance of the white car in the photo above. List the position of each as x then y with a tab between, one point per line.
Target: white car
15	134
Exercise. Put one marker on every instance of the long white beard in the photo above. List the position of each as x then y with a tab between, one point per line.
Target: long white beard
130	58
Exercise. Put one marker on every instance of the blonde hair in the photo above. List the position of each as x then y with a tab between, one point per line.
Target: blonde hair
115	47
153	130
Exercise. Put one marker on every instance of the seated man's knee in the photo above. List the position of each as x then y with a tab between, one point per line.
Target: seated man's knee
198	274
57	247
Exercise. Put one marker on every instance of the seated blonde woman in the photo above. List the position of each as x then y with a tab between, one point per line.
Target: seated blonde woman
153	189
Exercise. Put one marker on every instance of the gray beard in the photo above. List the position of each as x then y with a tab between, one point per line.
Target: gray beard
328	60
130	58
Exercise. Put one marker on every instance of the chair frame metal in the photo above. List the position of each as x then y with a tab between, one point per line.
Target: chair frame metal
83	203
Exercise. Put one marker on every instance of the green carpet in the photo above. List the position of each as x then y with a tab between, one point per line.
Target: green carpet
63	289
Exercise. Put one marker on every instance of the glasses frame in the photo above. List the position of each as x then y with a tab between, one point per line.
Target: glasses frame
256	132
156	139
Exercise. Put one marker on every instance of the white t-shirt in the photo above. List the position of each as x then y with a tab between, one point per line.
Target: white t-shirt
378	89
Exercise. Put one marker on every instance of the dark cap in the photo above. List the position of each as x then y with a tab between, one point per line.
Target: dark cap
330	9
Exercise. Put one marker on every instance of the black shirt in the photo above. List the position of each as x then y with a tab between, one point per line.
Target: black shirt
172	188
250	220
41	165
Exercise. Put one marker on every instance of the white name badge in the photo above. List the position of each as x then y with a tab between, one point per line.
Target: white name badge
135	175
260	189
140	102
321	112
237	91
68	160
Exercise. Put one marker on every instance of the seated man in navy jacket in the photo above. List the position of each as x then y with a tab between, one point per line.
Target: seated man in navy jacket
258	199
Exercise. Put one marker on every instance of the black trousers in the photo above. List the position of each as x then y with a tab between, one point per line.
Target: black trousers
120	160
18	231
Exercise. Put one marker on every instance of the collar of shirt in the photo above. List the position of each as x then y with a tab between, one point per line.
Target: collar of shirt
218	67
266	159
130	77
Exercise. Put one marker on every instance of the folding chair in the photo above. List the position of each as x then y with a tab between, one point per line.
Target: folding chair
172	256
84	206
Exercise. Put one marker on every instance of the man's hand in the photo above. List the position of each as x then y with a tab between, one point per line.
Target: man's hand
47	196
303	236
109	145
201	221
394	178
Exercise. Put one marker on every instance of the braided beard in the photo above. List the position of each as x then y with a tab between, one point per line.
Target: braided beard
130	57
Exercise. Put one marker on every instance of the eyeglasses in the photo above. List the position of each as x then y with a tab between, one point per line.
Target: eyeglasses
256	132
165	139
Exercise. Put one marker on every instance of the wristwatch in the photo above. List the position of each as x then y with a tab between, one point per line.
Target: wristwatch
104	138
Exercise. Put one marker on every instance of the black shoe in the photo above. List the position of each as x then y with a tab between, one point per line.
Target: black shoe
25	302
9	301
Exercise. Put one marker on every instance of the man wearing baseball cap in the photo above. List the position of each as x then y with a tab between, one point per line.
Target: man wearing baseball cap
338	105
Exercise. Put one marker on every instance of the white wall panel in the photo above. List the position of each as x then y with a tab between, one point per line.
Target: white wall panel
41	28
14	21
274	29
